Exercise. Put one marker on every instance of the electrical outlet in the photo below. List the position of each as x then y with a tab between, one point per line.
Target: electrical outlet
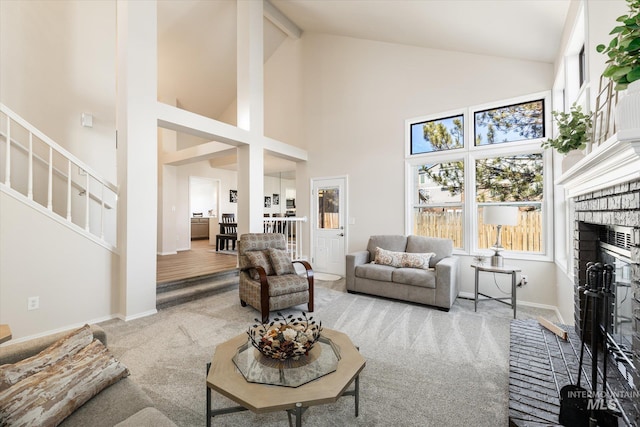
33	303
523	280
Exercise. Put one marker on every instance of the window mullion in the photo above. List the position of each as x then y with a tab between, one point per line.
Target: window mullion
471	209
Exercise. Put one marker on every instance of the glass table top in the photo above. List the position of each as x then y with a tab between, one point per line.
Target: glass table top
256	368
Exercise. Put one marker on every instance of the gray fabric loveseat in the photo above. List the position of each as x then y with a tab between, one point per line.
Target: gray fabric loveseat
123	404
435	285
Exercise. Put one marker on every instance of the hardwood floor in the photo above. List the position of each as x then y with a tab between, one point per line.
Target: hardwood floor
201	260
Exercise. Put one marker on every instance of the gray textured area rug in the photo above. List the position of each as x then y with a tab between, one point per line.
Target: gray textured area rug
424	367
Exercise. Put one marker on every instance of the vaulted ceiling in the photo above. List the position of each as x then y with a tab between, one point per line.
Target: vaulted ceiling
197	38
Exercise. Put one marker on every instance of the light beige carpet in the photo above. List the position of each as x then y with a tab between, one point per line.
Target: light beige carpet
424	367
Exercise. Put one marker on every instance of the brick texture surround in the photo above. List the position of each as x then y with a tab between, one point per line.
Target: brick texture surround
620	206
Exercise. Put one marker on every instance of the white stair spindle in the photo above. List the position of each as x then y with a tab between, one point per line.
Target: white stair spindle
50	185
102	213
86	212
7	170
30	178
69	191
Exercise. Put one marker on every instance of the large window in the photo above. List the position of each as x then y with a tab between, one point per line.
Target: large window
453	176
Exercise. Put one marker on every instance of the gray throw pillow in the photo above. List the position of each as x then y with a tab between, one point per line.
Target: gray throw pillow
259	259
281	262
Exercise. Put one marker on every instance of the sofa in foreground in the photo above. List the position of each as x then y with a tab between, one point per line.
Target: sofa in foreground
71	367
409	268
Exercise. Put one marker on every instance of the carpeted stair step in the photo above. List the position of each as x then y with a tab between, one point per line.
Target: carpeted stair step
178	292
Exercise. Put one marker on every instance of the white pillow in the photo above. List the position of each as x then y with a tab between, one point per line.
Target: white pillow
385	257
417	260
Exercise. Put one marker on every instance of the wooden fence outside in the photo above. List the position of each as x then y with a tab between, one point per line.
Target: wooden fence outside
525	237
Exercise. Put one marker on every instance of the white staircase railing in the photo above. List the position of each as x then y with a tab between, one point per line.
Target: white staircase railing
33	165
291	227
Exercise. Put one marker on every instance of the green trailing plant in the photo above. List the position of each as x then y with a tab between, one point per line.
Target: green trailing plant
574	129
623	65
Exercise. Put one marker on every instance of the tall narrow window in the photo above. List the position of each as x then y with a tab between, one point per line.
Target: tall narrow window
582	65
438	200
515	181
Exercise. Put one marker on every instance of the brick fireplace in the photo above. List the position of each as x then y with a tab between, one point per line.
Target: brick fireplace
603	195
595	213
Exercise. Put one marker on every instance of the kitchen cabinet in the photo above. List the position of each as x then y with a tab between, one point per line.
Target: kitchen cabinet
199	228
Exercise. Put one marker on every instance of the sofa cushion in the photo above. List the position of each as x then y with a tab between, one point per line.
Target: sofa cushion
375	272
68	345
395	243
415	277
281	262
259	259
49	396
440	247
385	257
115	404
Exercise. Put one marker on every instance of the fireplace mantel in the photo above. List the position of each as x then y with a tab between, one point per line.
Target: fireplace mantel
615	161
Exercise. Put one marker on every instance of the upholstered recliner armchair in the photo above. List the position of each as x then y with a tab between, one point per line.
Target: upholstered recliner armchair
268	279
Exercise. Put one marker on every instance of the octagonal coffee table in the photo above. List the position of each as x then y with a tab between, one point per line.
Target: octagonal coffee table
331	383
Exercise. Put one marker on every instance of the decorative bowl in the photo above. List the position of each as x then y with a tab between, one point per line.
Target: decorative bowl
285	337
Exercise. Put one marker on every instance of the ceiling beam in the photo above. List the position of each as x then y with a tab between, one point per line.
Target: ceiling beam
222	135
196	153
278	19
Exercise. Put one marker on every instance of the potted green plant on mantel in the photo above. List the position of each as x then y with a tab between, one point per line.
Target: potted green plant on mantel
574	131
623	66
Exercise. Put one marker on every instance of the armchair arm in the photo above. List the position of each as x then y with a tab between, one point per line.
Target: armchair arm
309	270
446	281
264	289
354	259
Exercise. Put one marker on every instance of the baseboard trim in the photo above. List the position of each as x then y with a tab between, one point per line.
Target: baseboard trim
137	316
168	253
470	295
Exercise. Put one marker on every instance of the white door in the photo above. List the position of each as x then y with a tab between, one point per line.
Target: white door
328	227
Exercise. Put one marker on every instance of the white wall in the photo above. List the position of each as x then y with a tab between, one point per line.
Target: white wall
357	95
283	94
540	289
75	278
57	60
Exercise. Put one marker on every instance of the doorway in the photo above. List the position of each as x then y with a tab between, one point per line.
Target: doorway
329	233
203	207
